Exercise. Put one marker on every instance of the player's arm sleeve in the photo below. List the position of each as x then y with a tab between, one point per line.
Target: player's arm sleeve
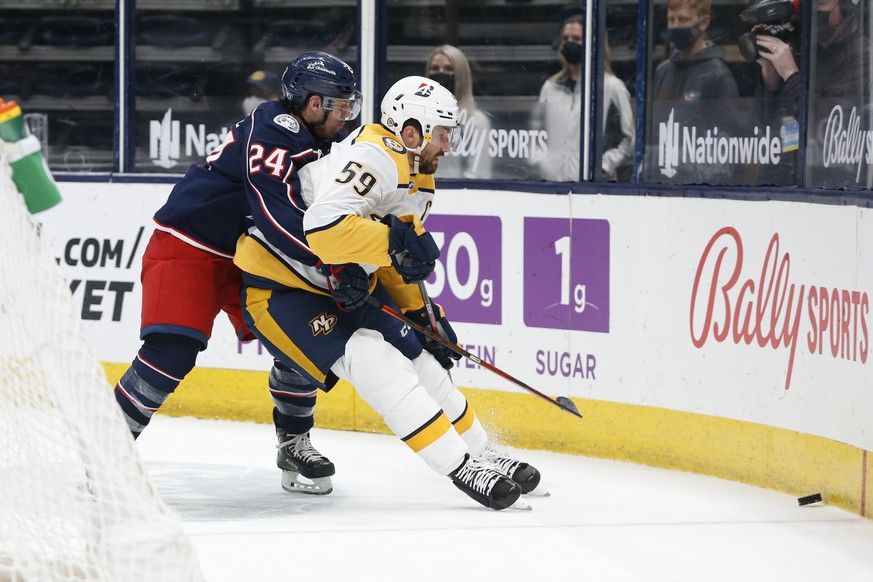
335	225
351	239
273	159
406	296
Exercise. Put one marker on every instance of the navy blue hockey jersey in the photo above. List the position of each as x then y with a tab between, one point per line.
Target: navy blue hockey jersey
255	165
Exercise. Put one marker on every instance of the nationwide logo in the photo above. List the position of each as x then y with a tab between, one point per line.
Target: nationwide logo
166	140
680	145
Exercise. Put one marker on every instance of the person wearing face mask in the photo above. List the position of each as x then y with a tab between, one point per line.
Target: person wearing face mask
261	86
448	66
842	56
695	70
842	77
558	108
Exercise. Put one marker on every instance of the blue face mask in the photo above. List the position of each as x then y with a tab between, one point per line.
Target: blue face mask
681	37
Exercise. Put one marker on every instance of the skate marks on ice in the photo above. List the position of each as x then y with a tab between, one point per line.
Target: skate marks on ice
389	515
201	492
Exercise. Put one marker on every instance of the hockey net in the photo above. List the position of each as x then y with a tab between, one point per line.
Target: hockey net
76	502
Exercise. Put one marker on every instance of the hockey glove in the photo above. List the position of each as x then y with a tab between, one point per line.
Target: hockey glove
413	255
349	284
443	354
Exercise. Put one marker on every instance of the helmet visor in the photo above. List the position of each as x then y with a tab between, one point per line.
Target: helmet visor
447	136
343	109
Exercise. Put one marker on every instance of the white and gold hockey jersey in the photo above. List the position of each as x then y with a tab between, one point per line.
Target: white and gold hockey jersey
364	178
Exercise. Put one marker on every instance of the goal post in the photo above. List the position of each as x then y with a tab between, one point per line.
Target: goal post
76	502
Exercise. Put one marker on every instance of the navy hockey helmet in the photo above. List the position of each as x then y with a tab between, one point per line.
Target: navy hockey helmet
318	73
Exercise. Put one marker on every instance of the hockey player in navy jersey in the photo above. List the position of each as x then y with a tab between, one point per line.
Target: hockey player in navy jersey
188	275
358	233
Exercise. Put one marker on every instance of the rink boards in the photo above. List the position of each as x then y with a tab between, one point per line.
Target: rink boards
718	336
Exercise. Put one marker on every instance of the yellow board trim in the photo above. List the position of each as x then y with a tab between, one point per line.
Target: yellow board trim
429	434
784	460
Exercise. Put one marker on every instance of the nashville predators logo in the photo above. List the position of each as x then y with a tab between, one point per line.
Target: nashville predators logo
393	145
323	323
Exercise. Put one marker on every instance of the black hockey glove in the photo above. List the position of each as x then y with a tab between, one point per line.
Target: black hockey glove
413	255
443	354
349	284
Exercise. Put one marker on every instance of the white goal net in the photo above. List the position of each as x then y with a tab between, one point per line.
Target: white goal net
76	502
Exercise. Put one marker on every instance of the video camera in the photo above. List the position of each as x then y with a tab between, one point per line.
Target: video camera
770	17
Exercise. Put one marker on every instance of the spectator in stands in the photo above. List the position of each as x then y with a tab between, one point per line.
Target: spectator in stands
261	86
618	124
695	70
558	109
448	66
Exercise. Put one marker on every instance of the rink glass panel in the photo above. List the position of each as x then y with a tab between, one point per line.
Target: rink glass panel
192	65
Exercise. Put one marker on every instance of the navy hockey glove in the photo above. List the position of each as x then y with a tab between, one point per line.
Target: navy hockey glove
349	284
413	255
443	354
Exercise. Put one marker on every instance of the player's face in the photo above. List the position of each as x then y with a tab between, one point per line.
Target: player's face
441	143
332	126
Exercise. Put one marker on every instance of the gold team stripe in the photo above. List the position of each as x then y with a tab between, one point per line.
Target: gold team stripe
252	257
256	305
353	239
464	423
428	433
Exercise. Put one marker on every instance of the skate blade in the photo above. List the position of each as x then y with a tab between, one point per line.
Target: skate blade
539	491
521	504
293	482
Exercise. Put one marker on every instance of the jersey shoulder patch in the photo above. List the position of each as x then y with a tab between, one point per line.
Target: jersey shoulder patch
394	145
287	121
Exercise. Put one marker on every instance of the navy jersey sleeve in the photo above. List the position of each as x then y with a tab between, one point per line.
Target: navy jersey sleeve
270	148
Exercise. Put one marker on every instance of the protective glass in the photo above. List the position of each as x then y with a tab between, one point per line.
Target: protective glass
344	109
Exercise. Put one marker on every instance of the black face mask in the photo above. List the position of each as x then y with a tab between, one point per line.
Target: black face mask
447	80
572	52
825	31
681	37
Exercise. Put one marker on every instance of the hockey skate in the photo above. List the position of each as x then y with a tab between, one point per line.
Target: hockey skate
304	469
480	480
527	477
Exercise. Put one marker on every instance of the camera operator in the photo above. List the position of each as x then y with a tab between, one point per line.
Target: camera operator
842	52
842	60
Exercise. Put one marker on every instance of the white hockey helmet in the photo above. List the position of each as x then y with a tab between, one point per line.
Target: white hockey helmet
425	101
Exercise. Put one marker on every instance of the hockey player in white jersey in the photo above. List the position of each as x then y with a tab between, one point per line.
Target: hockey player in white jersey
361	234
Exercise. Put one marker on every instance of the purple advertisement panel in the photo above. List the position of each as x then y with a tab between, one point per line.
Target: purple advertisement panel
566	274
466	281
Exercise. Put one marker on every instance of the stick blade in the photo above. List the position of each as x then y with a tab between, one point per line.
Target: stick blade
568	405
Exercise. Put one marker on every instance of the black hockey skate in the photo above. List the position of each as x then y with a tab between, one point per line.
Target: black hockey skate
480	480
527	476
304	469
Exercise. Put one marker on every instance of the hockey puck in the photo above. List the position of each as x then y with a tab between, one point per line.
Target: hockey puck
814	498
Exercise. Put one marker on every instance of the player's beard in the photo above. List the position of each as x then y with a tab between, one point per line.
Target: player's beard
428	166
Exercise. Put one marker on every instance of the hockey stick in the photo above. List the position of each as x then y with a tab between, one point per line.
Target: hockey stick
428	306
561	402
